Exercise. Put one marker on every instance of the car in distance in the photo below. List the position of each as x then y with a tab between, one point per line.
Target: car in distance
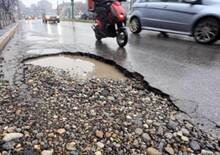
197	18
51	17
87	16
30	18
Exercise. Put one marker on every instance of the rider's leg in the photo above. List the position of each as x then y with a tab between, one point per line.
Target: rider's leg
103	15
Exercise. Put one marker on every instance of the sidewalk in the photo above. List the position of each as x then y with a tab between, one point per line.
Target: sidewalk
6	34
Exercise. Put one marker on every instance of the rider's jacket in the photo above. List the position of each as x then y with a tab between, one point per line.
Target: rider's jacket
100	3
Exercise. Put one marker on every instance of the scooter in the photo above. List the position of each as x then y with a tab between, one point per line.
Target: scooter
115	27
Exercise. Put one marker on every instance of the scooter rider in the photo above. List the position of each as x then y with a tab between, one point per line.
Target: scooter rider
102	8
110	20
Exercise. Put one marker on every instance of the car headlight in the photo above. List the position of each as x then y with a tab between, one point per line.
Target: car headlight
47	17
58	16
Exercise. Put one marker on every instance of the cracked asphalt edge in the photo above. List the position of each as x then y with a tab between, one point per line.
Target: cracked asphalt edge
185	115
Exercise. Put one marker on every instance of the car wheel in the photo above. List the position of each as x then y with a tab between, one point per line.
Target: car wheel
207	31
135	25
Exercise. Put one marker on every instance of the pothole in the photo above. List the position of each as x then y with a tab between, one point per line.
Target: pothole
79	66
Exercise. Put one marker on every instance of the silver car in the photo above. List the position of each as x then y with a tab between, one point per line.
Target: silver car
197	18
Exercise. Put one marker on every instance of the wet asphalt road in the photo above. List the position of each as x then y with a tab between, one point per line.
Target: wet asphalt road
187	71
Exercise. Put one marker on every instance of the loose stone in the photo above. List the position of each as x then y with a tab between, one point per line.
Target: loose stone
195	145
146	126
168	135
100	145
172	125
61	131
12	136
185	132
207	152
184	138
138	131
153	151
98	153
8	145
70	146
146	137
37	147
108	134
169	150
160	131
47	152
99	134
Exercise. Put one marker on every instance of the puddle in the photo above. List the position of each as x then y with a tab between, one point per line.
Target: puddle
44	51
79	66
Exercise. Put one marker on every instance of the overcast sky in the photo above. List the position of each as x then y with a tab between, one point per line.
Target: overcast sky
54	2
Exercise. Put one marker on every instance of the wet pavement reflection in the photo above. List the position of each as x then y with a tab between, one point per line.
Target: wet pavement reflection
44	51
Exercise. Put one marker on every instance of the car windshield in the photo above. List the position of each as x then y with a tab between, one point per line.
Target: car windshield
211	2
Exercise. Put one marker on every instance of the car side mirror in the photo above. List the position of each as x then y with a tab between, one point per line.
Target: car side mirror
190	1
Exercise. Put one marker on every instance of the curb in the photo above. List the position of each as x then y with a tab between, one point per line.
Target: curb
7	36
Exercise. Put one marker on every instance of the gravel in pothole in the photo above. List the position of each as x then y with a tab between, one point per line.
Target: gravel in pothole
55	114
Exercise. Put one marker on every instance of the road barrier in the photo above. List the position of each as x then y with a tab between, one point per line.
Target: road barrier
7	36
5	19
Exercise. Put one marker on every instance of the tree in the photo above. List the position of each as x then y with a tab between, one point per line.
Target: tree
8	5
7	10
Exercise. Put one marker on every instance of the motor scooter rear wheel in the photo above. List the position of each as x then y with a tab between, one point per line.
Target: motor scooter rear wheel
122	38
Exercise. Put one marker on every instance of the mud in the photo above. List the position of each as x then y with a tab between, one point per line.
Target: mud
80	66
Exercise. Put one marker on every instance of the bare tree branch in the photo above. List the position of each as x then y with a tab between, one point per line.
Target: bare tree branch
8	5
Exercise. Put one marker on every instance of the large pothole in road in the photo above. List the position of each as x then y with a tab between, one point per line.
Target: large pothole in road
96	116
80	67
